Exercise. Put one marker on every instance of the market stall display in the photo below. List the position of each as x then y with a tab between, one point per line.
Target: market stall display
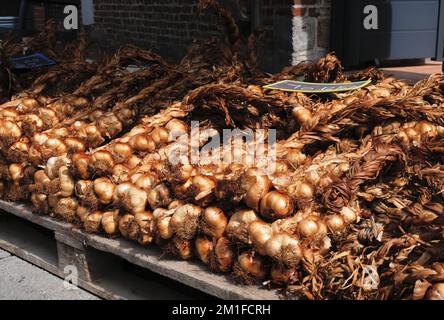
353	208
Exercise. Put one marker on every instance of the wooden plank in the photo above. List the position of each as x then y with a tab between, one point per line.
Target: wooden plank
45	265
190	273
30	257
69	256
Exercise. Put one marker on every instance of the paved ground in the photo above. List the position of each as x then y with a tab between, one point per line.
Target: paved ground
415	73
20	280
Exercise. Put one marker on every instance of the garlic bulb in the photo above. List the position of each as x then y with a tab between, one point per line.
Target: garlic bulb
159	196
104	189
283	275
66	208
110	222
143	221
311	227
120	173
436	292
134	199
213	222
204	186
66	182
185	220
284	249
256	185
82	213
335	224
259	232
102	162
121	152
93	222
125	225
251	268
176	129
40	203
276	205
142	143
204	249
237	228
182	248
164	228
80	164
160	136
223	256
146	181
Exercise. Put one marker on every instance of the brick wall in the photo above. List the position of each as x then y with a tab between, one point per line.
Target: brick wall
169	26
311	29
296	29
166	26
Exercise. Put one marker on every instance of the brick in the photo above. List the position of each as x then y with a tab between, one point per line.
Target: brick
298	12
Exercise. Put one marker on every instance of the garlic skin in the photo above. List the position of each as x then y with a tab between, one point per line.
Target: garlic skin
144	224
213	222
182	248
102	162
164	228
436	292
256	186
260	232
251	268
284	249
223	256
142	143
204	249
237	228
276	205
335	224
134	199
159	196
185	221
80	164
283	275
104	189
311	227
110	222
66	182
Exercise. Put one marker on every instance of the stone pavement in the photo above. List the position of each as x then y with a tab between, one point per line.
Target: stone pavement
414	73
20	280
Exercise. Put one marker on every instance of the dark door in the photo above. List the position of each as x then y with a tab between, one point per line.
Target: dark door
406	29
